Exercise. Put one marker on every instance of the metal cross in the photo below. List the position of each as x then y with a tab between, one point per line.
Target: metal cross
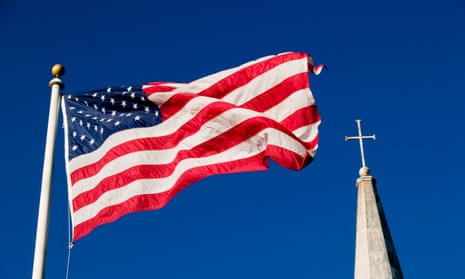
361	138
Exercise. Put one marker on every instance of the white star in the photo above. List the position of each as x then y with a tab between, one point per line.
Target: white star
102	98
130	88
117	123
134	106
82	137
95	95
109	89
92	141
74	147
137	118
123	104
133	95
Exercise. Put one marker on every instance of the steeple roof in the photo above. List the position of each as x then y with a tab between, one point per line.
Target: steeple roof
375	255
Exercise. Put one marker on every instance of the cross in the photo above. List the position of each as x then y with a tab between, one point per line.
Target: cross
360	138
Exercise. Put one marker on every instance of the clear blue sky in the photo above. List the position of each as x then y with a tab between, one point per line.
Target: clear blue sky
397	65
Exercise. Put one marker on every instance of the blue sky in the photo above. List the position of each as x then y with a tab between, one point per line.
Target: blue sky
397	65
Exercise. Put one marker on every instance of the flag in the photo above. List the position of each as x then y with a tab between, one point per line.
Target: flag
132	148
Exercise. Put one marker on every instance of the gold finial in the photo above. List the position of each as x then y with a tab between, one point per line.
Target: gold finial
58	70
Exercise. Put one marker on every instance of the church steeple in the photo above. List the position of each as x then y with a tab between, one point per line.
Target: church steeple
375	255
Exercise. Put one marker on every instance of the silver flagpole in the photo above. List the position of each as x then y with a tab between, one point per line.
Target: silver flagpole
40	250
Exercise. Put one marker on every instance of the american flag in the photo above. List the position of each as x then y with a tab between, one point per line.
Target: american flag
133	148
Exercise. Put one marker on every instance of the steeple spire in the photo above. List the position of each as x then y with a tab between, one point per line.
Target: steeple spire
375	255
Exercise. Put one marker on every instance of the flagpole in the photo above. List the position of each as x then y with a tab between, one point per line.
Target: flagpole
40	250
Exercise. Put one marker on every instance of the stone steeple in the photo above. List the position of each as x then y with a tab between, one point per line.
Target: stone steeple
375	255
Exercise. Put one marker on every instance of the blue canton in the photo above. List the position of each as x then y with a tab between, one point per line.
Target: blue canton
94	115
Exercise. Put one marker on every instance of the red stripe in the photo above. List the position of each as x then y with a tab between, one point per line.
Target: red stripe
245	75
156	201
301	117
278	93
157	87
228	84
216	145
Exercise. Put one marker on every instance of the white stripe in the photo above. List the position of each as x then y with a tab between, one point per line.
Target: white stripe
249	148
307	133
265	81
168	84
203	83
207	81
297	100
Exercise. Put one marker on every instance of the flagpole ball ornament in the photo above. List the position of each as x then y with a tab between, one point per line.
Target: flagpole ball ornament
364	171
58	70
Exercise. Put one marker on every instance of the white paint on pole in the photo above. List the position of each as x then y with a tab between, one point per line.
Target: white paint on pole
40	250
